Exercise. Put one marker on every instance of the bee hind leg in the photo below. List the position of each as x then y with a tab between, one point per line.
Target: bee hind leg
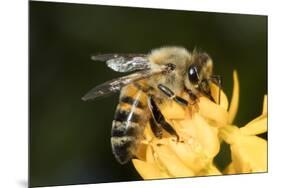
159	121
156	129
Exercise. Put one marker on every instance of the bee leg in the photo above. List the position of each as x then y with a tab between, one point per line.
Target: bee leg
217	79
159	119
172	95
156	129
192	96
205	89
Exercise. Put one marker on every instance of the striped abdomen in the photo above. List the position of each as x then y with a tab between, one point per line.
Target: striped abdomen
128	124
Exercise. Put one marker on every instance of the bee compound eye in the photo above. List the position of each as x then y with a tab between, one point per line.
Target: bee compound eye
193	75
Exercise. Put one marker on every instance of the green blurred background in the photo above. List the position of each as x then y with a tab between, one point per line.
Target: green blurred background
69	138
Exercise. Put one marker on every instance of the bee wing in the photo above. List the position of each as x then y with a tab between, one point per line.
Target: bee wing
124	62
115	85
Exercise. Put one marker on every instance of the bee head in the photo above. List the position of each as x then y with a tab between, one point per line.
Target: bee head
199	72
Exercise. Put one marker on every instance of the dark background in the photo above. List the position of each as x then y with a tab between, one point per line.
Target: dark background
69	138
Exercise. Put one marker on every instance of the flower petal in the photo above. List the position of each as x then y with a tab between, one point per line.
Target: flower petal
229	169
212	111
149	170
148	132
199	144
188	156
149	155
249	154
229	133
172	110
201	134
172	162
256	126
140	153
210	170
235	99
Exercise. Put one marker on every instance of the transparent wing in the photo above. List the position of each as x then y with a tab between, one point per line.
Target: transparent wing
115	85
124	62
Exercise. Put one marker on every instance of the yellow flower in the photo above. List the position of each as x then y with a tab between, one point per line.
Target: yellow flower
248	152
201	128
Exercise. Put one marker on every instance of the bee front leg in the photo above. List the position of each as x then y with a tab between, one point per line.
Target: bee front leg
159	121
192	96
172	95
204	87
217	79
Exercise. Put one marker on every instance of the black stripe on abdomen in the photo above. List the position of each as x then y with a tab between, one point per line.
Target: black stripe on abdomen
124	115
132	101
120	129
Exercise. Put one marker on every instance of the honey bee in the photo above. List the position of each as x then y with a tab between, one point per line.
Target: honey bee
163	74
